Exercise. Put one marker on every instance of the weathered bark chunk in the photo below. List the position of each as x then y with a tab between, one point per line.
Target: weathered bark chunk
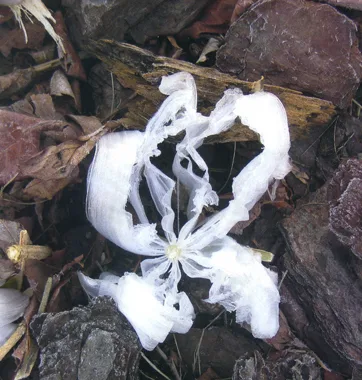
352	4
217	348
92	19
280	366
296	44
325	285
87	342
141	71
345	196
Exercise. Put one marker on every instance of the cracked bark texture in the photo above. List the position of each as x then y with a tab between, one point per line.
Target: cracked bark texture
324	279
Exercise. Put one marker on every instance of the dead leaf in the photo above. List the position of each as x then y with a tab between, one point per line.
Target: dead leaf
212	45
60	86
20	141
7	269
44	107
71	61
14	38
15	82
5	14
300	174
215	19
29	360
89	124
9	233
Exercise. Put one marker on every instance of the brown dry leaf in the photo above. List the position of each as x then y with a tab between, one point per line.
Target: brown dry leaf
14	38
7	269
60	86
215	19
9	233
89	124
71	61
56	167
5	14
212	45
15	82
44	107
29	359
20	141
300	174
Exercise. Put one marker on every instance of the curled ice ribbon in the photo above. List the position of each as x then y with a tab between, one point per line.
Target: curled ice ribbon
239	281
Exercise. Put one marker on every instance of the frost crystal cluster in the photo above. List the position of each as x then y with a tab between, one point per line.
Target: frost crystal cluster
239	281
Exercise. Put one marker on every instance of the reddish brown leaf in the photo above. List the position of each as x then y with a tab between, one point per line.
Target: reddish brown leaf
215	19
5	14
14	38
20	141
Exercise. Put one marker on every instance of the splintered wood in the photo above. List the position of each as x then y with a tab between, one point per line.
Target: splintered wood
141	71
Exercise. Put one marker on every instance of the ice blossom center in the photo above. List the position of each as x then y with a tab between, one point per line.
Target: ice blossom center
173	252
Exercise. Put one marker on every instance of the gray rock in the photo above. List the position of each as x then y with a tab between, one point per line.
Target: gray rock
87	342
141	19
321	278
297	44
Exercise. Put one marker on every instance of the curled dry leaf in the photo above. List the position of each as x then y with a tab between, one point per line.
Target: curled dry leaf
59	85
212	45
52	168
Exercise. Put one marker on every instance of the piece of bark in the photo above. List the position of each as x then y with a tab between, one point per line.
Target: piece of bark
240	7
351	4
87	342
345	197
324	283
218	348
141	71
271	39
287	365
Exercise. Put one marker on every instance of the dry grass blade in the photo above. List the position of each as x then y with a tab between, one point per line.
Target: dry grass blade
11	342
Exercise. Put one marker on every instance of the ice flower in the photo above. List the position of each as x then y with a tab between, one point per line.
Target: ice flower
12	307
239	280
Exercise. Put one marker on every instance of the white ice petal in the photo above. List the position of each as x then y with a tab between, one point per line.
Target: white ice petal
152	315
241	283
109	185
152	320
264	114
12	305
